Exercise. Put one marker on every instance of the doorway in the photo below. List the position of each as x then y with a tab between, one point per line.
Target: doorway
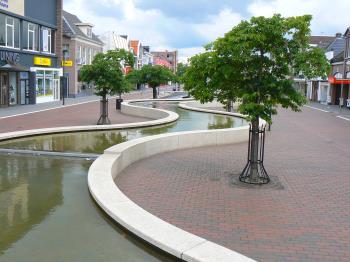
4	90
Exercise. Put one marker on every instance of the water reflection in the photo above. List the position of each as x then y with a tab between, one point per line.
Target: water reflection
96	142
46	214
22	191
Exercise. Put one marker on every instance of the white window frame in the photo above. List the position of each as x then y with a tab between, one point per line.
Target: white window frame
49	39
90	56
89	32
13	31
33	32
348	46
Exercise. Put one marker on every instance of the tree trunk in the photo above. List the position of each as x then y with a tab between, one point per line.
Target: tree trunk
104	120
155	92
254	152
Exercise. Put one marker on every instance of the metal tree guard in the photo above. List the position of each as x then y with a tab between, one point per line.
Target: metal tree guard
104	120
245	176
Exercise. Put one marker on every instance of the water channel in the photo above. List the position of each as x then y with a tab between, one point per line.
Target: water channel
46	212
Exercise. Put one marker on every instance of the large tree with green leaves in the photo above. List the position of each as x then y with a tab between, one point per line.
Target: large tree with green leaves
107	74
254	64
153	75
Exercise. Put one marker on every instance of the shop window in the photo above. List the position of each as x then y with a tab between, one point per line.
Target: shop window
348	75
46	42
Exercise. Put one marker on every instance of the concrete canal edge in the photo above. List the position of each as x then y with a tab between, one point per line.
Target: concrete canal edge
160	117
152	229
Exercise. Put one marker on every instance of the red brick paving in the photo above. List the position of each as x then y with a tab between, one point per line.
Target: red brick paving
307	220
77	115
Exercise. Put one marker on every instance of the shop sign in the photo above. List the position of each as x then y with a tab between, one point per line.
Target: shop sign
13	6
9	56
67	63
43	61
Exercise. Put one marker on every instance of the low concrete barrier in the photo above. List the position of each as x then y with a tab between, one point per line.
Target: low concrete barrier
117	205
160	117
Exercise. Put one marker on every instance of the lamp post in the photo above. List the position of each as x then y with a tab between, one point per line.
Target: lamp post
64	78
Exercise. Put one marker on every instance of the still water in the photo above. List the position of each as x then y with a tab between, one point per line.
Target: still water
96	142
46	212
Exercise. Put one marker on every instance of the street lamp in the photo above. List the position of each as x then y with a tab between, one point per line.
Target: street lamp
65	52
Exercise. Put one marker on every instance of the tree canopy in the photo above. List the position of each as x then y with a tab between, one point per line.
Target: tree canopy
255	63
106	72
153	75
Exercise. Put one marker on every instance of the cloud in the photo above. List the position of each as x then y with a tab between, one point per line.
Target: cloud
324	19
218	25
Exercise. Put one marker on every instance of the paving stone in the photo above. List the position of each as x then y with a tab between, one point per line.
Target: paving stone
306	220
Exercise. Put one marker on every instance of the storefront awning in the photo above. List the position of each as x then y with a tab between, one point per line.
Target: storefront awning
335	81
13	67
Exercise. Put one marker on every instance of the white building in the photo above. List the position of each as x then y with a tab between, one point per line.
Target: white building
113	41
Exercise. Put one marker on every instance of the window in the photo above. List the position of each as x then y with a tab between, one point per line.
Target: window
65	50
78	55
348	53
9	31
30	36
90	56
46	36
89	32
84	56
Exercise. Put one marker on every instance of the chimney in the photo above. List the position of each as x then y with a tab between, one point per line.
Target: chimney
338	35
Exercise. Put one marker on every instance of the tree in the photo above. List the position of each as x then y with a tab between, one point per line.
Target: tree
106	73
154	76
180	72
254	64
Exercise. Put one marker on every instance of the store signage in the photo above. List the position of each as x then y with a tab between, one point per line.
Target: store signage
13	6
9	56
67	63
43	61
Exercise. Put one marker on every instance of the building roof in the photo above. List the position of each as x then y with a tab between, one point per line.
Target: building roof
71	29
337	46
113	41
135	44
322	41
338	58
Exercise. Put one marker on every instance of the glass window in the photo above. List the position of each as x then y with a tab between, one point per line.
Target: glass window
30	36
2	30
89	32
9	31
46	40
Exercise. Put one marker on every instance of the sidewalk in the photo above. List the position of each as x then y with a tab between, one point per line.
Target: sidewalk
77	112
302	215
333	109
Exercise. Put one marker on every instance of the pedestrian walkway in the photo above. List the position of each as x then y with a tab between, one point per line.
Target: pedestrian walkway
333	109
76	112
303	215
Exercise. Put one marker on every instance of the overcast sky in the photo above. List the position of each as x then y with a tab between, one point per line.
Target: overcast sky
187	25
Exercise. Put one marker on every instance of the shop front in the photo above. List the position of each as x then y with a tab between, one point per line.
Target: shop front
14	80
47	84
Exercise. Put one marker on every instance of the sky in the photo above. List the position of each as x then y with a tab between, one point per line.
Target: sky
188	25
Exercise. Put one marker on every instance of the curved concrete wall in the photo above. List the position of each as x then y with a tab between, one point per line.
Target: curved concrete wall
161	117
167	237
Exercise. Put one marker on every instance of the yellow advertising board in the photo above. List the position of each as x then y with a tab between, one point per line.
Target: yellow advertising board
43	61
67	63
13	6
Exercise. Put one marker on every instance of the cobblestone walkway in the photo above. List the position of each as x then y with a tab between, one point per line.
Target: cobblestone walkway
74	115
306	217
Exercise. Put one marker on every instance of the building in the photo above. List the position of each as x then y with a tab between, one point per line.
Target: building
340	79
136	48
320	89
30	51
113	41
170	56
80	46
147	57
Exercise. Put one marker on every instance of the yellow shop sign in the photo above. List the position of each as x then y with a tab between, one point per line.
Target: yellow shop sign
43	61
67	63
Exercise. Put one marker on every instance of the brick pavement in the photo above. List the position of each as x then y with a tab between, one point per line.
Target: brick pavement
75	115
307	220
